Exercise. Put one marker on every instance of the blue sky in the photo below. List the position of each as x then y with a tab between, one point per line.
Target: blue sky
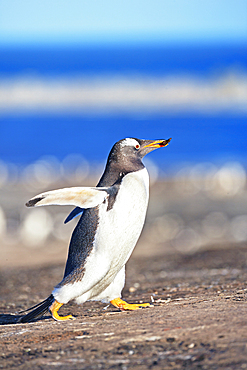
83	21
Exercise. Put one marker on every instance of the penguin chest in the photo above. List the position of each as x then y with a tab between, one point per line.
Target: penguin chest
120	227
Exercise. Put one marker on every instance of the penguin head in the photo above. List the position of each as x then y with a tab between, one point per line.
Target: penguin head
126	156
127	153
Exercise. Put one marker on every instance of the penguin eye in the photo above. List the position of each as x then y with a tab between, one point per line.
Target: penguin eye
137	146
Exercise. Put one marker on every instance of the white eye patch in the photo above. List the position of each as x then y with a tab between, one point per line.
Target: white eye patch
129	142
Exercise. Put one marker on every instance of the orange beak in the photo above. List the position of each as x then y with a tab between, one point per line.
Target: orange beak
158	143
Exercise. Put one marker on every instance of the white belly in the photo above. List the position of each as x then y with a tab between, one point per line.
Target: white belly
120	227
117	234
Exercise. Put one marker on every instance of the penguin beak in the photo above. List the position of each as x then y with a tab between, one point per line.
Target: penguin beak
154	144
148	145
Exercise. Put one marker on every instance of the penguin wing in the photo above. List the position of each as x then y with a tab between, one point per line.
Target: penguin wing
83	197
76	212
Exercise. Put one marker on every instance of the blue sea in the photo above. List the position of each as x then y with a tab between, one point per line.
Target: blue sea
204	60
196	136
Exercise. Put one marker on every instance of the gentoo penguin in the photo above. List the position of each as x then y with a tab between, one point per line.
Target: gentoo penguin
113	215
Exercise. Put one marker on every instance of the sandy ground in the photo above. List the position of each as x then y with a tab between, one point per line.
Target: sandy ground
198	319
188	264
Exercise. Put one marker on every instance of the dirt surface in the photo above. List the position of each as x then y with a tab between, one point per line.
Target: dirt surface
198	319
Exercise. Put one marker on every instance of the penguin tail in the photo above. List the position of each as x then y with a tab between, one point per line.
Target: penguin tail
37	311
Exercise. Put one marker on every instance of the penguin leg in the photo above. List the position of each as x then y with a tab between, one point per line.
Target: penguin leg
124	306
53	310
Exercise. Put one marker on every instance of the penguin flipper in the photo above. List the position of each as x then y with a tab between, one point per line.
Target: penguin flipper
76	212
83	197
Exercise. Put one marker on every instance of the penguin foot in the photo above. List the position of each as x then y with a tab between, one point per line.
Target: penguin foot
53	310
124	306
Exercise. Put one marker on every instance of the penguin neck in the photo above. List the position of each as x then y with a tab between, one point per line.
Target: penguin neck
115	171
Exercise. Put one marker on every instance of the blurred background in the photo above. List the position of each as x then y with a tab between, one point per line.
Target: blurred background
77	76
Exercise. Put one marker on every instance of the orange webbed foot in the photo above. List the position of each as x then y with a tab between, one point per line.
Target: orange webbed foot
53	310
124	306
